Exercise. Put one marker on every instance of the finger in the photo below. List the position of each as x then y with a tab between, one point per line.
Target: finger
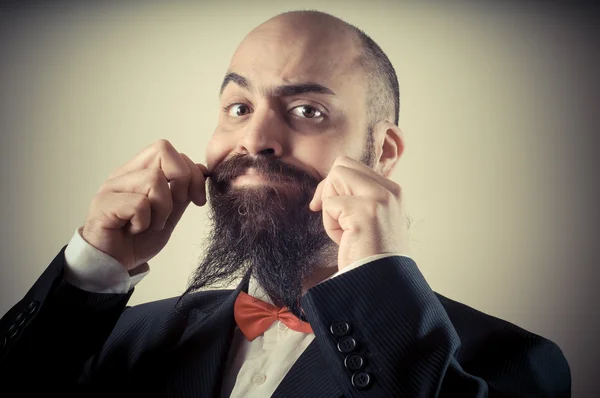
362	168
330	223
316	202
179	175
357	225
348	215
348	181
120	208
348	212
350	177
204	169
150	182
162	155
332	226
143	159
196	189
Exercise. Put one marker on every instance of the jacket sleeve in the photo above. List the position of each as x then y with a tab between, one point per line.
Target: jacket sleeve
385	333
48	336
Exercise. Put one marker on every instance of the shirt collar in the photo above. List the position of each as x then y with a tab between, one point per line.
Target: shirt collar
255	290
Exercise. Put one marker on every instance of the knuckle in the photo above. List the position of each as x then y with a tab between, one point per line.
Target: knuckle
340	160
103	188
388	198
162	145
335	169
396	189
97	200
96	215
108	184
185	157
141	204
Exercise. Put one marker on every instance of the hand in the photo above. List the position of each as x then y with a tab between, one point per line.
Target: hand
134	213
363	211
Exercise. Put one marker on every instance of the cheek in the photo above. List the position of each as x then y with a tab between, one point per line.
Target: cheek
321	154
217	149
318	155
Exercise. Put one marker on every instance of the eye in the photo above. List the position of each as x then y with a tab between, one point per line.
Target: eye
237	110
307	111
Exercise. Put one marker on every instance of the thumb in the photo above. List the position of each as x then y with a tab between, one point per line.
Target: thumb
204	169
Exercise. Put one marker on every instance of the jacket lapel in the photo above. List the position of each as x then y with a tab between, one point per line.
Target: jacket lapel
199	361
308	377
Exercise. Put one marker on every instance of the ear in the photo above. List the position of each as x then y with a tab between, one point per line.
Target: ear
389	144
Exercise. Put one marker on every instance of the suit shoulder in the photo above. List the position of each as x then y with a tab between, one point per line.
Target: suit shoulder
481	332
464	317
487	340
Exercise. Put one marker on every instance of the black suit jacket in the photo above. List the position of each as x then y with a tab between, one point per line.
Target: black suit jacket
413	341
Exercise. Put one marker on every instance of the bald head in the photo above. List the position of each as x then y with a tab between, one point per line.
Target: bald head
304	80
342	47
302	46
315	23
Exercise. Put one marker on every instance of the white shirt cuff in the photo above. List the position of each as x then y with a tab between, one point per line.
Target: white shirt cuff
94	271
364	261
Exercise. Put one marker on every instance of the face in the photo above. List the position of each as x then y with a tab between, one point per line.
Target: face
287	112
303	103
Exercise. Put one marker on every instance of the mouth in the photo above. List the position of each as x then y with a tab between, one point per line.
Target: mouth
251	177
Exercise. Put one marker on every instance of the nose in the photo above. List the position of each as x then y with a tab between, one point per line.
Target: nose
263	135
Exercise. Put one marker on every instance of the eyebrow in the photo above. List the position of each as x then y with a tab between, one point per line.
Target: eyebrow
237	79
278	91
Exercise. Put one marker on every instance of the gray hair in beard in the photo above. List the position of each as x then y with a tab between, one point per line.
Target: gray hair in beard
267	230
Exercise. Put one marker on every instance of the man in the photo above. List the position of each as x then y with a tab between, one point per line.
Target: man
330	303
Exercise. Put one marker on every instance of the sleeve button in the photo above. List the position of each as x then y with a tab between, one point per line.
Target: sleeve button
354	362
361	380
33	306
12	331
346	345
20	319
339	329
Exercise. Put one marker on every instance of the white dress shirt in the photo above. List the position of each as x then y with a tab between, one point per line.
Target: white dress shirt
254	368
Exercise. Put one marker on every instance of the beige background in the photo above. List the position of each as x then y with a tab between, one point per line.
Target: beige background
499	169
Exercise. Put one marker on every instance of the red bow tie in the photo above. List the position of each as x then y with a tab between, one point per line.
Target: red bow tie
254	316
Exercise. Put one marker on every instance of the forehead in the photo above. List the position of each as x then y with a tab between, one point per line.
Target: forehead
279	55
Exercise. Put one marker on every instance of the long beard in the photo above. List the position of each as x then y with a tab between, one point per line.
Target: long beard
265	229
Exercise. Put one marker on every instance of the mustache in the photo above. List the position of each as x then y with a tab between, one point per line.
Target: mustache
267	167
